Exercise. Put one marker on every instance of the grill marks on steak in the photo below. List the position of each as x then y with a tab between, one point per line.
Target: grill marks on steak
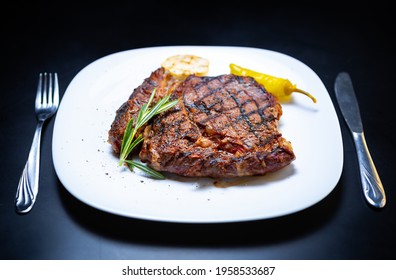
228	106
224	126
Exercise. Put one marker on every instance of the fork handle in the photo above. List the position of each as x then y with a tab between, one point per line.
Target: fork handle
28	183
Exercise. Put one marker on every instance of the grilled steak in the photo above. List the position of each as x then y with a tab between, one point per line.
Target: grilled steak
222	127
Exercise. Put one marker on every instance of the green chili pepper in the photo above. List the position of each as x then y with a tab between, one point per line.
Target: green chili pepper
279	87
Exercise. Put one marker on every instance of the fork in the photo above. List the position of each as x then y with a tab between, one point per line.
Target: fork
47	102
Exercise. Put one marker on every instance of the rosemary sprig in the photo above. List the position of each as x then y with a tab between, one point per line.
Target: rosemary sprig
129	141
153	173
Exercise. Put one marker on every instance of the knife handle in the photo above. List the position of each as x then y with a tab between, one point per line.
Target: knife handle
371	182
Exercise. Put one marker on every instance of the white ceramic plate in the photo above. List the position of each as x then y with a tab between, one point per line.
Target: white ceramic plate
88	169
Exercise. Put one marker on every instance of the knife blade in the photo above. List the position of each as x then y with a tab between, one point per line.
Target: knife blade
373	189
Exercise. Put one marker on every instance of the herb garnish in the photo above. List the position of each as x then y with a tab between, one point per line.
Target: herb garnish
129	142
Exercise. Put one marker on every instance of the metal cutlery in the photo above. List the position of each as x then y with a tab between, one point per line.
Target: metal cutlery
46	105
372	186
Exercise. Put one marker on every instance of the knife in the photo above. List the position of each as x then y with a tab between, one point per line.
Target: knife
371	183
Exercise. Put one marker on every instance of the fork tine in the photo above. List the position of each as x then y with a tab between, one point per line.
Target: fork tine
56	90
50	90
39	89
45	90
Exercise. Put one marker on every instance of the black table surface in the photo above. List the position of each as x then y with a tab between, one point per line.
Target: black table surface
326	36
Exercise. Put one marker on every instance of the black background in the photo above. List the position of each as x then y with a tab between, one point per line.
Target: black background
329	37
